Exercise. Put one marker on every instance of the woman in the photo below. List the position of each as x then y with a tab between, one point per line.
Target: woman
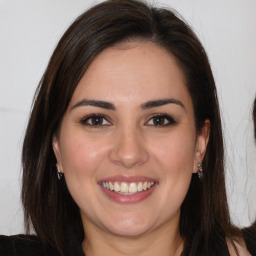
123	153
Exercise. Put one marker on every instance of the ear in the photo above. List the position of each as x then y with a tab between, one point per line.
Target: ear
56	149
201	145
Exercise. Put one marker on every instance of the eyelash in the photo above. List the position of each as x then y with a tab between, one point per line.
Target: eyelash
168	121
163	119
102	118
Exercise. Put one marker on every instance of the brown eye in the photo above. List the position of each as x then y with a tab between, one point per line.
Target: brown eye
95	120
161	121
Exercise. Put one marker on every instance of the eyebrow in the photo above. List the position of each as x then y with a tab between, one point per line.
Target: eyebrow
111	106
94	103
161	102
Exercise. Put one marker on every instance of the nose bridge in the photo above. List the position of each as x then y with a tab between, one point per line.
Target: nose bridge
129	149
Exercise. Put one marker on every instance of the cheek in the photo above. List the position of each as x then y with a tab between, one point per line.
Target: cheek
81	160
175	157
81	156
176	153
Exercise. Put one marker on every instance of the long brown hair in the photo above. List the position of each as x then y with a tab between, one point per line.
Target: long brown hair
254	117
48	206
249	233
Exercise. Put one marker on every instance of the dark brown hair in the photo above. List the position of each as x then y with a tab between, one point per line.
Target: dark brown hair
249	233
48	206
254	117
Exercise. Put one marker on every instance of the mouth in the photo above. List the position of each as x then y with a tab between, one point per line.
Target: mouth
128	189
125	188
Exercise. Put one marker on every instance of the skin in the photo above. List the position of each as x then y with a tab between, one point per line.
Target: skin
240	246
129	141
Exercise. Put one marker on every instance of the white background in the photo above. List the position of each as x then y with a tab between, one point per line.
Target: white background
29	31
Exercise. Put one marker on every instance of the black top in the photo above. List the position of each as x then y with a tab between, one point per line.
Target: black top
29	245
250	239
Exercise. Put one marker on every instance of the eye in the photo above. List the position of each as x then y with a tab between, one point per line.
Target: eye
161	120
95	120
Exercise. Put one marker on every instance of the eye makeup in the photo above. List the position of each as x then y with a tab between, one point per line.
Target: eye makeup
95	120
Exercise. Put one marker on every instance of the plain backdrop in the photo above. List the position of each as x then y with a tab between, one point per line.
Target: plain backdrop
29	31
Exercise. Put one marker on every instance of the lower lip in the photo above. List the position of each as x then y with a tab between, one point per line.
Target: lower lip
128	199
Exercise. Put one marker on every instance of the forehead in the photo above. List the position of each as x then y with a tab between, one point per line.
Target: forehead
134	71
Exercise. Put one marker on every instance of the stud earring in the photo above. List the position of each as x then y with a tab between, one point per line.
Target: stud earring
200	171
59	173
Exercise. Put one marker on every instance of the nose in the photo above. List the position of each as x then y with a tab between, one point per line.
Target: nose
129	148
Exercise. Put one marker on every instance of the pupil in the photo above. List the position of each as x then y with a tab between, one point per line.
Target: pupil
158	121
97	121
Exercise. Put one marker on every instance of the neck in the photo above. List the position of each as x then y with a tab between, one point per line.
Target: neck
165	241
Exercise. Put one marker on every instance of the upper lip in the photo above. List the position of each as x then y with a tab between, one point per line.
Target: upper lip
127	179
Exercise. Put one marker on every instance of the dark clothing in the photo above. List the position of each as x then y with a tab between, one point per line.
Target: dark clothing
250	239
28	245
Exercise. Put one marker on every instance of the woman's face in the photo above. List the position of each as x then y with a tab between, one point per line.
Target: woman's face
127	143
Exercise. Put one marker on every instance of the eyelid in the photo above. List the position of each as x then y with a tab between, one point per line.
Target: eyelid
84	120
171	120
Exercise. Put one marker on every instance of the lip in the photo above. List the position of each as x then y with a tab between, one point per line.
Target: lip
127	199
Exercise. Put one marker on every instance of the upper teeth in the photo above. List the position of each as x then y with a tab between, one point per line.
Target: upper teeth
127	188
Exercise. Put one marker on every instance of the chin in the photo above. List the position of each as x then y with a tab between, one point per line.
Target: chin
130	231
129	227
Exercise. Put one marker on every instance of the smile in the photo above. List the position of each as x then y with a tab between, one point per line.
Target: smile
130	188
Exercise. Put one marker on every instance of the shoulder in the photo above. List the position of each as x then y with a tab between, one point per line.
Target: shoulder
30	245
20	245
241	249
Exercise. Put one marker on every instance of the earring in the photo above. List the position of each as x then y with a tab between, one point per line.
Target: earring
59	173
200	171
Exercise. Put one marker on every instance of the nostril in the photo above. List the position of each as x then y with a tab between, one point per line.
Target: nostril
128	152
